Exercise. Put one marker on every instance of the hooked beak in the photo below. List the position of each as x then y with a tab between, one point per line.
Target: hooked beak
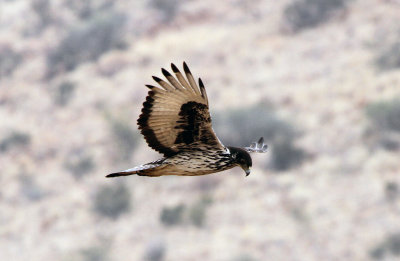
247	171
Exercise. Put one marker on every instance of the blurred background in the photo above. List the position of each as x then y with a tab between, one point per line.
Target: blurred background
319	79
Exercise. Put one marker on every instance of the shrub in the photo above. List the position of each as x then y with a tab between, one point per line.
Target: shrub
29	188
303	14
390	246
385	115
79	165
391	191
393	244
285	155
197	213
42	8
172	215
14	139
167	8
95	253
9	61
64	93
125	138
112	200
155	251
378	252
89	8
240	127
86	42
384	120
388	57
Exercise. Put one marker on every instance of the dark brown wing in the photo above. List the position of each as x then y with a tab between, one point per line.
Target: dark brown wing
176	116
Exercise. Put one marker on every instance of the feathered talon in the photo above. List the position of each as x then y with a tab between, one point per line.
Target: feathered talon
258	146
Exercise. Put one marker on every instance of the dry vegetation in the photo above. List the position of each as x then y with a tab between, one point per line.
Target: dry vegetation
319	79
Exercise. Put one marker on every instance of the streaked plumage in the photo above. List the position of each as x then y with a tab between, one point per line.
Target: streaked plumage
176	122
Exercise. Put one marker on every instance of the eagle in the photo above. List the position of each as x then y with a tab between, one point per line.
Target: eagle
176	122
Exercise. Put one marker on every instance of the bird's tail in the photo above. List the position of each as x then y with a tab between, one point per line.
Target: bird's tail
152	169
121	173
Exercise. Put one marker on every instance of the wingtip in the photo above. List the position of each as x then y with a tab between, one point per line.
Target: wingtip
186	68
261	140
174	68
165	72
156	78
201	83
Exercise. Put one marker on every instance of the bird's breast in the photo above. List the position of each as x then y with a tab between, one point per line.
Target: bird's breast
202	160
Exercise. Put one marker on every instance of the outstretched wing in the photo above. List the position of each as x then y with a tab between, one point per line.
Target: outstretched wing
258	146
176	116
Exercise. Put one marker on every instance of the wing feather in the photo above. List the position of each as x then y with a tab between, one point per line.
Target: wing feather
181	79
176	116
163	84
190	78
172	80
203	90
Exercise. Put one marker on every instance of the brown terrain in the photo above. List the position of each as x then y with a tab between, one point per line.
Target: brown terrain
71	87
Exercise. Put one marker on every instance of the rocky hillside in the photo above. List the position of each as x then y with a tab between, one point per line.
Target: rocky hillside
320	79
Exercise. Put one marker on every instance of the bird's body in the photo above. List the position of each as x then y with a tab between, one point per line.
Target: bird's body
186	163
176	122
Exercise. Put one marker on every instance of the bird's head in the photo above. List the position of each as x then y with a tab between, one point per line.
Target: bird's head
241	158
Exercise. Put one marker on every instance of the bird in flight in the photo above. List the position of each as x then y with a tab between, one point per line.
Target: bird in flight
176	122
